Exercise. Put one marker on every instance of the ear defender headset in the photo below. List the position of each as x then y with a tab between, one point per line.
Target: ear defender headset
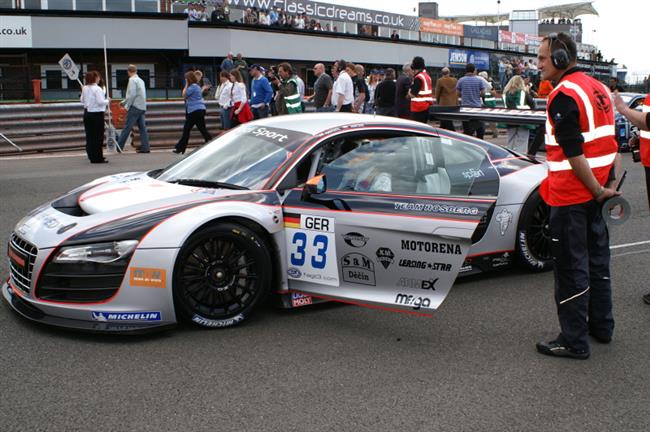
559	56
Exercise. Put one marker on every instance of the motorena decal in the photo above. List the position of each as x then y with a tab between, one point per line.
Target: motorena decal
385	256
358	268
355	239
433	247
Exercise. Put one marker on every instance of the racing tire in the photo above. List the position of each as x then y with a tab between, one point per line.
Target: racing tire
533	242
221	275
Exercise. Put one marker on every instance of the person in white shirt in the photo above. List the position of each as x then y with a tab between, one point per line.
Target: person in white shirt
343	89
136	104
95	102
225	98
238	94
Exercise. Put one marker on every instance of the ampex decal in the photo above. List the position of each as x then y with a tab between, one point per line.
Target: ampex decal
405	282
504	217
358	268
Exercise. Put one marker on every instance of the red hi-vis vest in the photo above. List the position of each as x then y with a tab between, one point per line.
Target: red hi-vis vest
424	99
561	187
644	136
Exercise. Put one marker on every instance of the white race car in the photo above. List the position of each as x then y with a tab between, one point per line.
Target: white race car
368	210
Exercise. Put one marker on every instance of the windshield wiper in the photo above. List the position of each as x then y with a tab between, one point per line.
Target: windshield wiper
207	183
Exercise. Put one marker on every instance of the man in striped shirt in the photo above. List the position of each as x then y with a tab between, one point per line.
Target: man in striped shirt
470	89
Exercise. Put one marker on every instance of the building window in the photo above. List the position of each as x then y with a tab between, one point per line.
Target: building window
118	5
59	4
53	79
7	4
31	4
90	5
147	6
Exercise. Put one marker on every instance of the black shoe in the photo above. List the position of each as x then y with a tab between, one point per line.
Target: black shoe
142	151
178	151
646	298
100	161
557	349
602	338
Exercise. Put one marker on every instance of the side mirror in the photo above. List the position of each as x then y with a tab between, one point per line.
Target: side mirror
315	186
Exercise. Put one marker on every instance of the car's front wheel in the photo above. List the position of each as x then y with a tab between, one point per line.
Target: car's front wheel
221	275
533	235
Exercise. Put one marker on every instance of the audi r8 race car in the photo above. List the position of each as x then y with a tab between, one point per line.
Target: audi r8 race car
367	210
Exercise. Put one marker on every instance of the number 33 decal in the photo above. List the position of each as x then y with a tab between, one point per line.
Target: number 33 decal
320	242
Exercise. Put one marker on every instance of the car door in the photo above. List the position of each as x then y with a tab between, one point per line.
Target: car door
394	223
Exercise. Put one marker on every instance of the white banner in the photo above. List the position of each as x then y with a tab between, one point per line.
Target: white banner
15	31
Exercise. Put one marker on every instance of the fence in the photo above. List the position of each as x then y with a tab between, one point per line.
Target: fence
59	126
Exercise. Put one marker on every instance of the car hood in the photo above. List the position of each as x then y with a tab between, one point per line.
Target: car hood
112	198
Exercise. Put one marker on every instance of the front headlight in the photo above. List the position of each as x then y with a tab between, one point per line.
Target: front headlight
96	253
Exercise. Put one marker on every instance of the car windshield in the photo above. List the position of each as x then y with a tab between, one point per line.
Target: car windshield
243	158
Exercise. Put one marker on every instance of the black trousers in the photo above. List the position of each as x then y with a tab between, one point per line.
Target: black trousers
447	124
346	108
474	127
94	128
583	292
195	118
420	116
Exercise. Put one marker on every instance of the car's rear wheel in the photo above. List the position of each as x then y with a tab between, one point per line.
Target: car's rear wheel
533	235
221	275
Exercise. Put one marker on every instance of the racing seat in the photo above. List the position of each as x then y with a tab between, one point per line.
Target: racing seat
436	183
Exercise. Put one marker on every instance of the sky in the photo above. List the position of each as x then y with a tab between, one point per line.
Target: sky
618	31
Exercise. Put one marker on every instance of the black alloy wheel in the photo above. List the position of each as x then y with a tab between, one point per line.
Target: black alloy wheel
222	273
533	242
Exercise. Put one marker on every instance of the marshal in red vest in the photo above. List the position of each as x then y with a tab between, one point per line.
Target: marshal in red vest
561	187
424	99
644	139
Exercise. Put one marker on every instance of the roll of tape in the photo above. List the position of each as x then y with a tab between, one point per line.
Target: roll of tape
616	210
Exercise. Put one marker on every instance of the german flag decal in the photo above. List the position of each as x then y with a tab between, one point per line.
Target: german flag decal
292	220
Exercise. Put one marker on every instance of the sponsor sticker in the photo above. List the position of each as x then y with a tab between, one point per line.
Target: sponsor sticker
385	256
437	208
355	239
428	284
502	260
148	277
473	173
432	247
217	323
126	316
358	268
294	272
417	264
504	217
299	299
416	302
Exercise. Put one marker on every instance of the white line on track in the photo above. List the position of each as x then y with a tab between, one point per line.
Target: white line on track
630	244
631	253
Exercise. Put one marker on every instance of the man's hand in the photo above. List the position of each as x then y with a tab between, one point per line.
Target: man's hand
605	194
620	105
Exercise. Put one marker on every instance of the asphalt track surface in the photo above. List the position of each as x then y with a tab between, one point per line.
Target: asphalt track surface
472	367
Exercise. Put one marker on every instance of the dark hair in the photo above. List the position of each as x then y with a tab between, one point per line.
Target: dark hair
287	67
562	41
224	74
92	77
390	74
417	63
470	68
341	65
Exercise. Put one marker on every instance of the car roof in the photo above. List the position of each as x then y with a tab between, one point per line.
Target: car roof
314	123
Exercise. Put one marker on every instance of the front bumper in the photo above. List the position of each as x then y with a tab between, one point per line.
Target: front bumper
25	308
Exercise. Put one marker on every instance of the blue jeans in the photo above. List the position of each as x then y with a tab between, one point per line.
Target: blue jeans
260	113
134	116
225	118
